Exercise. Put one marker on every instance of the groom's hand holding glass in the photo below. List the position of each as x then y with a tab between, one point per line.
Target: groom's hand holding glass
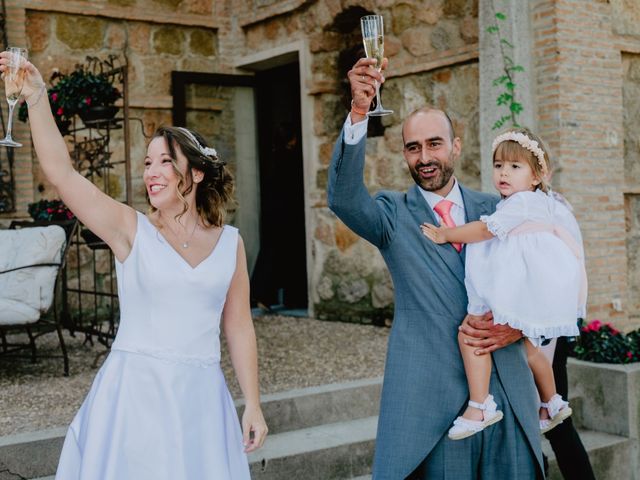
362	78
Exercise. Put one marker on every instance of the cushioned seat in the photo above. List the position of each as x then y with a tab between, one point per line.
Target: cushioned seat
29	263
31	258
15	312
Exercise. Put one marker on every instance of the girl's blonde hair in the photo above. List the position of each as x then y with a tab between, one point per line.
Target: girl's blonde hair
512	151
215	192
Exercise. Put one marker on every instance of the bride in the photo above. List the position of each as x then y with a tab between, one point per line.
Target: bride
159	407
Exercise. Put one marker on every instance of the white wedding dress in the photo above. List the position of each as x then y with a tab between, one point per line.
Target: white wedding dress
159	408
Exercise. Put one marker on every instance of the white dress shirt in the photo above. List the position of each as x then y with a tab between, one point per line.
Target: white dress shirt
353	133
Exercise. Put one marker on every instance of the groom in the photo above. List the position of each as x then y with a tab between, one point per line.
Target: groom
425	386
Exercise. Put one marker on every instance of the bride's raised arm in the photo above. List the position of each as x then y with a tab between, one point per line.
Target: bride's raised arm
112	221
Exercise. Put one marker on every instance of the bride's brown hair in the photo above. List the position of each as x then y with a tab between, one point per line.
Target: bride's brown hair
214	193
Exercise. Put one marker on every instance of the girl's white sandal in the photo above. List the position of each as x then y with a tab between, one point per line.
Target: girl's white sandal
558	409
463	427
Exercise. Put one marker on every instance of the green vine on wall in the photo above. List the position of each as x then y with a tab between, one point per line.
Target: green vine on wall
507	97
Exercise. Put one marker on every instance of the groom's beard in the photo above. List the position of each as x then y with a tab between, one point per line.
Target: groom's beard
443	173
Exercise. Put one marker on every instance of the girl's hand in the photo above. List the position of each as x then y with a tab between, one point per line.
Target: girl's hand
33	81
253	422
433	233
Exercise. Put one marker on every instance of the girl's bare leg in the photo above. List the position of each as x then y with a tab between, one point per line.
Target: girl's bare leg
478	370
542	374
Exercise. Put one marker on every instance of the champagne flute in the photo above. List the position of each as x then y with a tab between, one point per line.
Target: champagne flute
13	83
373	39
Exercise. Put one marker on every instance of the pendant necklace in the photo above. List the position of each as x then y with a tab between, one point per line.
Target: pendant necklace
184	244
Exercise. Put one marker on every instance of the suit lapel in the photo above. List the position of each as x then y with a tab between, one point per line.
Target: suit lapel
423	213
475	205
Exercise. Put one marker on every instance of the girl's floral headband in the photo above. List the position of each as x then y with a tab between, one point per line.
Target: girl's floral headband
525	142
206	151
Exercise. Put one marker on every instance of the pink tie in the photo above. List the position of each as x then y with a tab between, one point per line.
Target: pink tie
443	208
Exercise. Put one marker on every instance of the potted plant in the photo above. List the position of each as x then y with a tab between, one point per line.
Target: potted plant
602	343
62	113
90	95
49	211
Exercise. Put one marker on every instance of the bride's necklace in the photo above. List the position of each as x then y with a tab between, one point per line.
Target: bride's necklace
184	244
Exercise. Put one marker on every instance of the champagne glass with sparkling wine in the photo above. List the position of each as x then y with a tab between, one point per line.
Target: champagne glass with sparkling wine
13	82
373	39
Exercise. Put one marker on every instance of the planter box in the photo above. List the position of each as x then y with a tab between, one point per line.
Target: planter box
610	399
610	395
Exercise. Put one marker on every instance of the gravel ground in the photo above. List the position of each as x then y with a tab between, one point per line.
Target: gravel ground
293	353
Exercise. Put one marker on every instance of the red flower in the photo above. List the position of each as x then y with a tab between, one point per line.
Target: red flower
54	97
87	100
629	355
594	325
60	111
614	331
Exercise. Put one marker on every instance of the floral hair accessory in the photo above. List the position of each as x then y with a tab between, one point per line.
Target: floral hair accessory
206	151
525	142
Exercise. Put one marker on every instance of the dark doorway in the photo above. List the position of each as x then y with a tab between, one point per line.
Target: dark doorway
279	278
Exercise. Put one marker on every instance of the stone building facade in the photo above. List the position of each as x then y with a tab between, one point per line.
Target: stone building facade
580	90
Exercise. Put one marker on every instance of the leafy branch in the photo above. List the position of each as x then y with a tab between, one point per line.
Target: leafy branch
507	97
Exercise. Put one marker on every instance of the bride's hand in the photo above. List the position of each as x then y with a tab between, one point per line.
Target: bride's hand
253	423
33	82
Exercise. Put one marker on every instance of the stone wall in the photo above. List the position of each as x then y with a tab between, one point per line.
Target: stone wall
353	275
432	51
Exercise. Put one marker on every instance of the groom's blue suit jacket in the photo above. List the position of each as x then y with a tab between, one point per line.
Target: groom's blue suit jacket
424	385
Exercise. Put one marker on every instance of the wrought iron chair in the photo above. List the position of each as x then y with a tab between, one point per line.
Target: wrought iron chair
32	259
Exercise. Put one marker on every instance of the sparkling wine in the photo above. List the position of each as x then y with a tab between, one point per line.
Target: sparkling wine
373	40
12	86
14	77
374	48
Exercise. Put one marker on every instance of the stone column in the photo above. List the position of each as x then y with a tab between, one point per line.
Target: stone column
516	29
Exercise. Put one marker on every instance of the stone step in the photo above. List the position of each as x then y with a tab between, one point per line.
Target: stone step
31	455
325	452
344	450
610	455
312	406
36	454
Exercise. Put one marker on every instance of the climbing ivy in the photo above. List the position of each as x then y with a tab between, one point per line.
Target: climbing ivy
505	81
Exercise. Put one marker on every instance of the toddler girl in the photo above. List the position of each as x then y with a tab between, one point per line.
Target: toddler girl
530	275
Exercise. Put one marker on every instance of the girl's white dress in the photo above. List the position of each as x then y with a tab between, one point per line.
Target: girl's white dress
159	408
531	275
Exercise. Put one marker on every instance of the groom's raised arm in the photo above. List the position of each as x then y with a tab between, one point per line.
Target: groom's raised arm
371	218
